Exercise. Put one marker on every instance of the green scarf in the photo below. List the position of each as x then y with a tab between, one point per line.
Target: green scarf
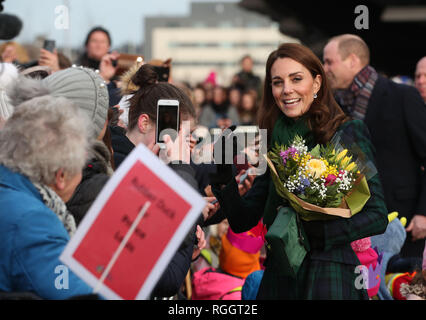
285	129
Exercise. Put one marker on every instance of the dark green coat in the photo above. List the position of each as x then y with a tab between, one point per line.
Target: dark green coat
328	271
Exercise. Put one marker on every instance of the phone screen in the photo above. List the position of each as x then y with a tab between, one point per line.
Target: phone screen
49	45
167	119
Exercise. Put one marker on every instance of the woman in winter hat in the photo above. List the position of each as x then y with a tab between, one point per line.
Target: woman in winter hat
88	91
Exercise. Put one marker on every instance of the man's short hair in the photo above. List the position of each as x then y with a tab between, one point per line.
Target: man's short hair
350	43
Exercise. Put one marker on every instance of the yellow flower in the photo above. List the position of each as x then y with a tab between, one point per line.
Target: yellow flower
331	169
341	155
304	160
316	167
351	166
345	161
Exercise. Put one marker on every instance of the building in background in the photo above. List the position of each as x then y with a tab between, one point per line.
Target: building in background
214	37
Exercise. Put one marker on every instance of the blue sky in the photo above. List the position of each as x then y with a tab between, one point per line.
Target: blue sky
123	18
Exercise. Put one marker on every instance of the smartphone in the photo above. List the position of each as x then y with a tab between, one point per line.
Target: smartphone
244	176
167	120
49	45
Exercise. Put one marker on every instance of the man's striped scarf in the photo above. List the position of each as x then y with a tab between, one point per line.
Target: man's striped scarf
355	99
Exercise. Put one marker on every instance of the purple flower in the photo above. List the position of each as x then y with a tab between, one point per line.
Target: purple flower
288	152
304	183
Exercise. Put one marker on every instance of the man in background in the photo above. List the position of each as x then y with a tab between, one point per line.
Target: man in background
395	115
245	79
420	77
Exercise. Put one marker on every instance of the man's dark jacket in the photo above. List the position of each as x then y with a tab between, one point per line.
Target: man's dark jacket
396	119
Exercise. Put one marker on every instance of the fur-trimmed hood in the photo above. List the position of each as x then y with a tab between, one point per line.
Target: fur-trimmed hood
127	86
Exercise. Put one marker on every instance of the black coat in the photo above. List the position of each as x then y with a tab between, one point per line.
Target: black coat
120	144
95	175
396	118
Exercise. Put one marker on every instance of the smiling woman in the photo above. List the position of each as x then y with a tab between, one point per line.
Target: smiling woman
297	101
296	85
293	87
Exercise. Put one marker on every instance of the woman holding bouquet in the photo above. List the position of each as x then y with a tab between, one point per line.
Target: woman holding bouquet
297	101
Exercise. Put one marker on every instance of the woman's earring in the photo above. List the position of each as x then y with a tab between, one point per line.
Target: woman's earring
315	96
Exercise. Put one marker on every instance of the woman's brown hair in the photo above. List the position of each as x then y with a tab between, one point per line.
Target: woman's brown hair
144	100
324	115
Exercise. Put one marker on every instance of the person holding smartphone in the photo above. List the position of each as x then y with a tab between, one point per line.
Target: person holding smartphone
152	97
97	54
51	58
96	45
155	99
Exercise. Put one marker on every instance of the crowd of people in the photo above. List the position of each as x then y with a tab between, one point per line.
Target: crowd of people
65	127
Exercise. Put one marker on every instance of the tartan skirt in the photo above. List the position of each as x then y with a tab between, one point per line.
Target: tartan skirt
315	280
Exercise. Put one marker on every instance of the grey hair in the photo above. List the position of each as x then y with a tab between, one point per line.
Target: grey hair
43	135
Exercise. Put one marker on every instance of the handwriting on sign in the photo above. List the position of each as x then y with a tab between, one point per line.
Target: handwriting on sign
119	237
143	189
128	222
167	211
160	203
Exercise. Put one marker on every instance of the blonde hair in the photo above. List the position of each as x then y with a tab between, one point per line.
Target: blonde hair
350	43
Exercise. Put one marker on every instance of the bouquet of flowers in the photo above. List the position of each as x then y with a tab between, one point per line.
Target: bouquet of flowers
324	183
319	184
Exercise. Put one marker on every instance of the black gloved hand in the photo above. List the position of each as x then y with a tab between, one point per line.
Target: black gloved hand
223	157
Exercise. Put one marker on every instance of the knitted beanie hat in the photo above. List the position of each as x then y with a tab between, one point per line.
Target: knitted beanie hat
236	261
240	252
85	88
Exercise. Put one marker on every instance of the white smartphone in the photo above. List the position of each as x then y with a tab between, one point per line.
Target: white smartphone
167	120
